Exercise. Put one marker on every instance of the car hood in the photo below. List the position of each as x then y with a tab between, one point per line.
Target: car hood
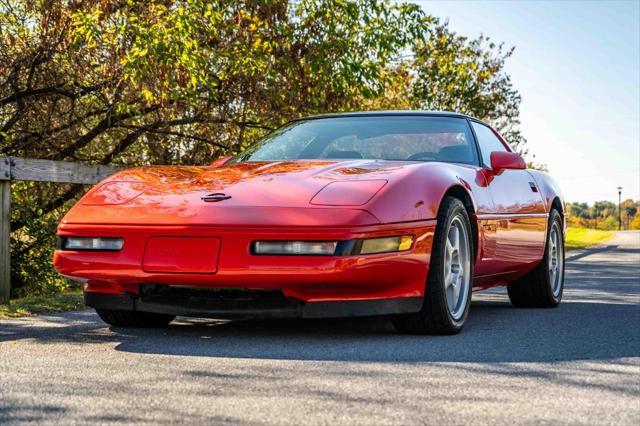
261	193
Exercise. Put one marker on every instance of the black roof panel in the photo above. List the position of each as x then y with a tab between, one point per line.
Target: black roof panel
387	113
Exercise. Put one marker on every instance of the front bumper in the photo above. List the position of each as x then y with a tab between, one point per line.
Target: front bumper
308	279
234	304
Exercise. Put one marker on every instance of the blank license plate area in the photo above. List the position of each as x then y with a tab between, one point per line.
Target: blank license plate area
181	255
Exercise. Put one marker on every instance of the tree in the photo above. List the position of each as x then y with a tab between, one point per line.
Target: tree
579	210
605	208
456	73
107	75
602	215
629	208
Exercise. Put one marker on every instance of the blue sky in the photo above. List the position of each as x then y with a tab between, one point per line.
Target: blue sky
577	67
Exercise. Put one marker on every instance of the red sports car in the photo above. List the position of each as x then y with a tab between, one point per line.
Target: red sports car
373	213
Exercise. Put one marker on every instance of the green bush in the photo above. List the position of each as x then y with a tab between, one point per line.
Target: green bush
33	243
608	224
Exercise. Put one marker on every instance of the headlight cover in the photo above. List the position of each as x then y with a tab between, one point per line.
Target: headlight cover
90	243
313	248
348	193
333	248
112	193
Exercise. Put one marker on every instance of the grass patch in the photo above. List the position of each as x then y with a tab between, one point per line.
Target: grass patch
33	305
579	238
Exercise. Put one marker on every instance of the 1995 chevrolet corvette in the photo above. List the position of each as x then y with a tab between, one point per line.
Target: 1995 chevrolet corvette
374	213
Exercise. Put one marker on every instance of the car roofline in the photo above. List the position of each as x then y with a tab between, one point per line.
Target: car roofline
389	113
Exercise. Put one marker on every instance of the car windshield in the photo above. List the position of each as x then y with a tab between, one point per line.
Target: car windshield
399	138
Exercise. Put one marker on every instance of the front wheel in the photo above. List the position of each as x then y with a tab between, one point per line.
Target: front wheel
544	285
450	278
120	318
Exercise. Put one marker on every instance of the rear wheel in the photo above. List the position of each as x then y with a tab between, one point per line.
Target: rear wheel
449	282
133	318
543	286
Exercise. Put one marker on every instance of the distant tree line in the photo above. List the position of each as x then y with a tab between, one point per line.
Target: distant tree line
184	82
604	215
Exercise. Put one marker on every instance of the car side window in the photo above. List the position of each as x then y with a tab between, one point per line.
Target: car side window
488	142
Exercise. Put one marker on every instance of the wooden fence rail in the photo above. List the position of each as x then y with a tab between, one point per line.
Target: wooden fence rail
12	168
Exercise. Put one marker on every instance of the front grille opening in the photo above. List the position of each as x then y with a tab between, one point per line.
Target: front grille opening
218	299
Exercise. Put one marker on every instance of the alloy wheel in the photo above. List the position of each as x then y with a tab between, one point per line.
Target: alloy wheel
457	267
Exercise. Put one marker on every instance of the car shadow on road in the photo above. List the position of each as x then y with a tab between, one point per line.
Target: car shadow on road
495	333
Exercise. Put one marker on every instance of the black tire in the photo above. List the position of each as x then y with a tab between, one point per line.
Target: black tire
434	317
133	318
536	289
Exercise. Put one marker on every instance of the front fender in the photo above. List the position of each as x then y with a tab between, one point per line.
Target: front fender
417	196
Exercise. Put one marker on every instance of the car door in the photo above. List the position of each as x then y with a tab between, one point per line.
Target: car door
514	232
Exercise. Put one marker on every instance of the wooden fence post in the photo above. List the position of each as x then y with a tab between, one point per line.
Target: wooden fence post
5	238
12	168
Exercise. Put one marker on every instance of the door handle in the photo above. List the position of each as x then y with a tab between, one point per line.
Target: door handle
533	187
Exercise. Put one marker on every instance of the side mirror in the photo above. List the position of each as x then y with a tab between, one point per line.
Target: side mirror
502	160
220	161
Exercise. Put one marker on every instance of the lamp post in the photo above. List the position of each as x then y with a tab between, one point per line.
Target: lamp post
619	208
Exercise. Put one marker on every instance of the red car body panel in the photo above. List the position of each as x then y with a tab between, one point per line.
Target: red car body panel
308	278
160	213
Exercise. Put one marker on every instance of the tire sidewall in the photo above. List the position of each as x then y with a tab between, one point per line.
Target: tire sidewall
456	209
555	218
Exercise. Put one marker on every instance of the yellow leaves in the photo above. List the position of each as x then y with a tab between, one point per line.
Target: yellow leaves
136	51
147	95
263	45
85	26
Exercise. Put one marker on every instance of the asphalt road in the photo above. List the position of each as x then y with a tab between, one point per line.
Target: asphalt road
579	363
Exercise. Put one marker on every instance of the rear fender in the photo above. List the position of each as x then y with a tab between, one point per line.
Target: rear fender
549	189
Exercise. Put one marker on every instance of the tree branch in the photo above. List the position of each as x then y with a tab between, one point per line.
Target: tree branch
122	145
17	96
57	90
108	122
